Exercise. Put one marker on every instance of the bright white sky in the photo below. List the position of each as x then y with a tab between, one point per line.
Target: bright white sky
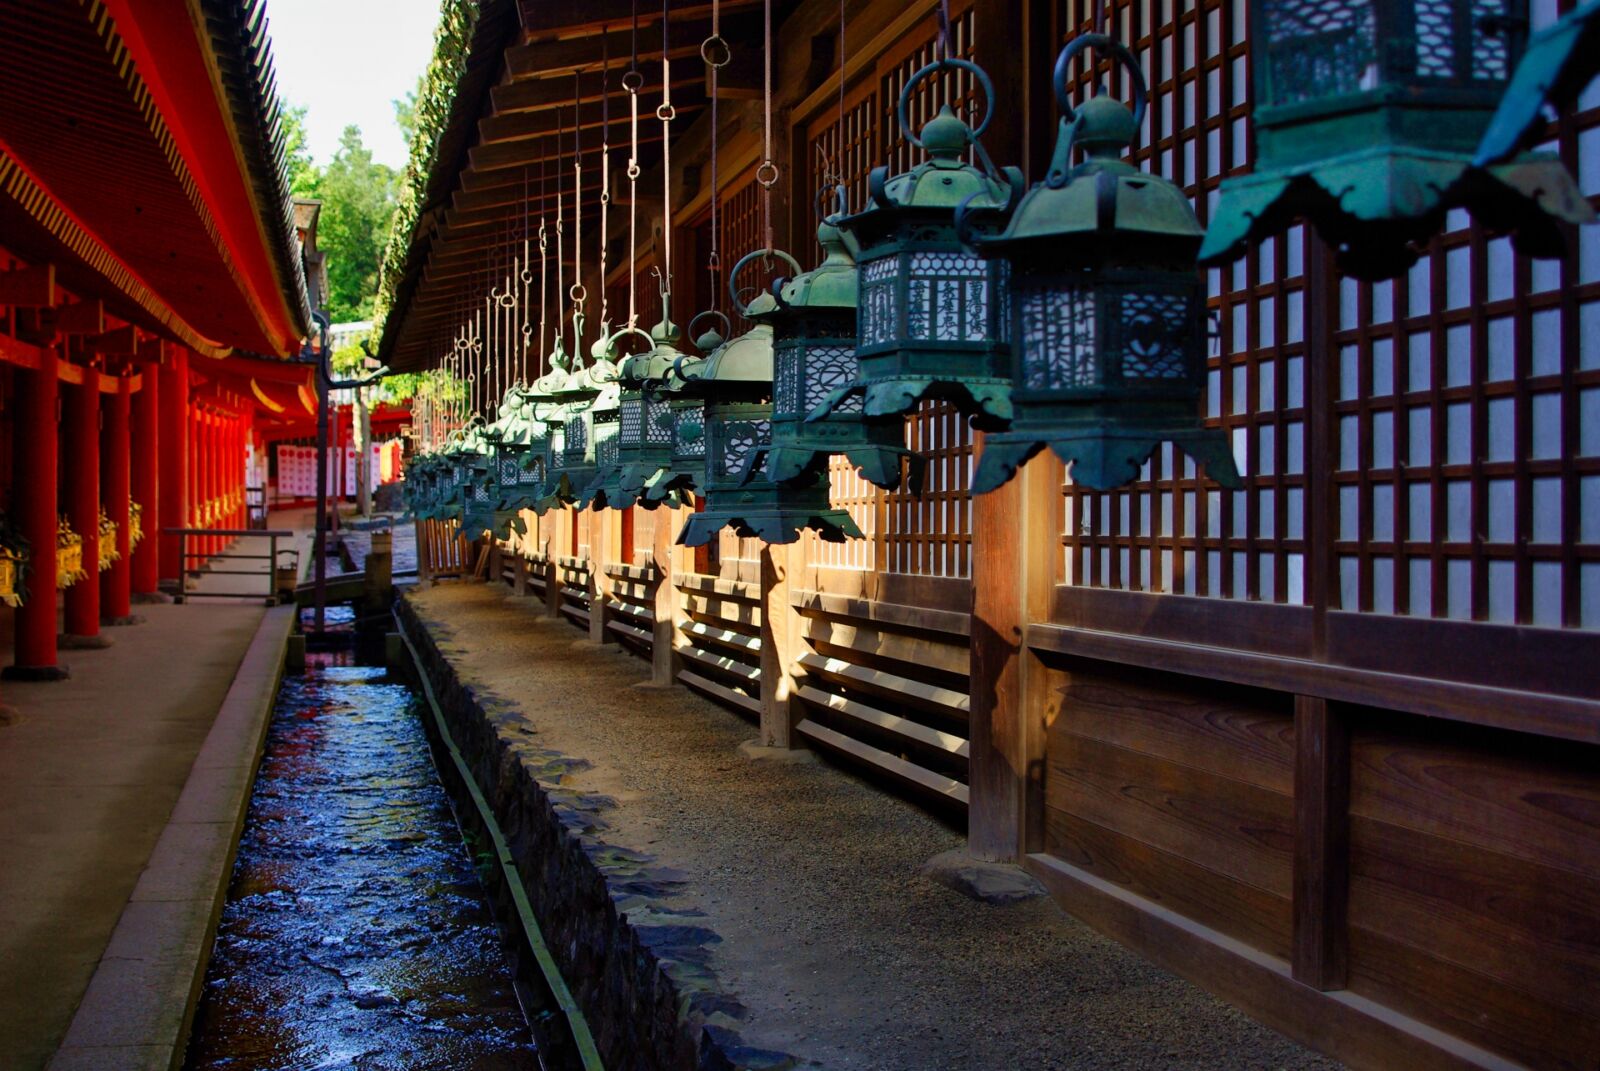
346	60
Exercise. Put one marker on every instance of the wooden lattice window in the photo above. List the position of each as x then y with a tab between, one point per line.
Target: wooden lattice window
1462	401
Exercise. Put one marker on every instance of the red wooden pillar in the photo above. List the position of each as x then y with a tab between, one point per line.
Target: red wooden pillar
117	475
174	460
144	440
81	477
33	498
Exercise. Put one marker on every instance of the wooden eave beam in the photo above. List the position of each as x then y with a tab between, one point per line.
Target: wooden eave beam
541	94
542	19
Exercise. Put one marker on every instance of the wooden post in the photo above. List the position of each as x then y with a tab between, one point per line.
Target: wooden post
173	461
144	444
1321	843
1016	531
35	448
665	661
552	570
600	555
116	583
81	433
780	644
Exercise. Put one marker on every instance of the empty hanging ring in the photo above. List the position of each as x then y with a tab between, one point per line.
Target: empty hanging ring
767	174
713	47
766	255
934	68
666	112
633	81
577	293
633	170
1102	44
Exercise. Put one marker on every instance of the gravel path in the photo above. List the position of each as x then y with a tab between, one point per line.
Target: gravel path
842	952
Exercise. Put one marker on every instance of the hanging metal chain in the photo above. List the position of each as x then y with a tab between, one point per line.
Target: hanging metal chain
605	174
665	113
578	293
632	81
716	53
767	172
561	250
544	268
527	285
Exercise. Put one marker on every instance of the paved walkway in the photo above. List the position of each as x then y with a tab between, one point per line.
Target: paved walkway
90	771
839	950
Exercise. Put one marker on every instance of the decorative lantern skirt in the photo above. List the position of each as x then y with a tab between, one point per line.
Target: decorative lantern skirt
1368	115
742	495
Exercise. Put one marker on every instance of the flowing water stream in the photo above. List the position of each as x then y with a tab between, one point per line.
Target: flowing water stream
356	934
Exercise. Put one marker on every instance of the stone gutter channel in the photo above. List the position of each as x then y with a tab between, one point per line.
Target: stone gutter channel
636	964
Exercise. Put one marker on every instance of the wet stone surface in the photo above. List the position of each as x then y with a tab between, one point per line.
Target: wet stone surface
355	934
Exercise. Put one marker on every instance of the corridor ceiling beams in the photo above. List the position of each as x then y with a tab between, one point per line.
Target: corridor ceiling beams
516	113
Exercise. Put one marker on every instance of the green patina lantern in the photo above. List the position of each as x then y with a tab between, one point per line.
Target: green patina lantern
1560	62
680	412
813	321
928	320
1368	114
742	493
1107	309
471	470
642	452
517	437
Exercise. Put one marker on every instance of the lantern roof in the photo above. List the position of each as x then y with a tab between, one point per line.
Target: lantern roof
944	179
1390	197
1104	193
831	284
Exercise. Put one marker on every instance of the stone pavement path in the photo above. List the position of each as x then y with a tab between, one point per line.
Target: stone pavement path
89	771
842	952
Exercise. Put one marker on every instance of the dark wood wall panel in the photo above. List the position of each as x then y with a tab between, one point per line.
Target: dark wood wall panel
1182	797
1475	884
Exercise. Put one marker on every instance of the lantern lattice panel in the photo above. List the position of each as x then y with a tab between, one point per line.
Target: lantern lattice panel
1464	450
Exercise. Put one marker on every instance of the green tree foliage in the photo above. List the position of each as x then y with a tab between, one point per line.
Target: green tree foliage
358	198
302	170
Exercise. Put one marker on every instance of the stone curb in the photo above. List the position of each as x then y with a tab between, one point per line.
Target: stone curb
140	1003
636	962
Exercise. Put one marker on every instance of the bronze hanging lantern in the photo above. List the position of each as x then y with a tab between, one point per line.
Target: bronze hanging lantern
929	322
1367	117
742	493
519	439
643	442
1106	305
813	320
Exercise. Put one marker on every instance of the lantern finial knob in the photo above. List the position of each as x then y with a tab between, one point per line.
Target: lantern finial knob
946	137
1105	127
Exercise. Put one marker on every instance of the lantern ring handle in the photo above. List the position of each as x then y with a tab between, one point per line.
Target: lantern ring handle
715	51
629	330
733	276
971	68
1101	43
727	324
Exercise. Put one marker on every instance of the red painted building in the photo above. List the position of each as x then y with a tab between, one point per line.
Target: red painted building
153	293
